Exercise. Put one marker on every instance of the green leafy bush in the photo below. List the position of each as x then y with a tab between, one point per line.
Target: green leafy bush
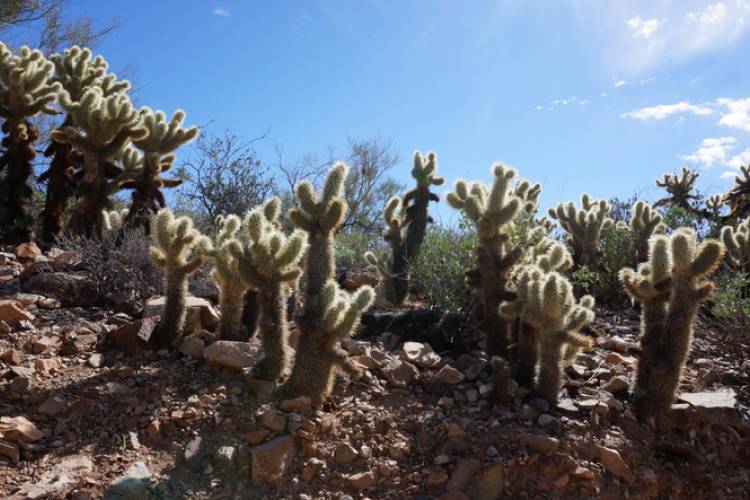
351	248
731	302
618	246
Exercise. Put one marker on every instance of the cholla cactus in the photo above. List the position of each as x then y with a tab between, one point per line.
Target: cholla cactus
644	223
671	286
679	189
145	177
737	243
491	209
104	125
113	220
406	226
319	354
738	198
545	303
179	251
584	227
268	261
25	91
76	70
226	276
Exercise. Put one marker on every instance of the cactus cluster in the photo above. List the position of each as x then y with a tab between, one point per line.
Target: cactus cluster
584	227
25	91
737	243
406	223
644	222
738	198
671	286
179	250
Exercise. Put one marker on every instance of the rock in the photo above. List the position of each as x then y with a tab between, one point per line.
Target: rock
231	354
70	289
194	454
450	375
28	251
10	450
445	402
269	461
200	316
716	407
344	453
255	437
300	404
546	419
489	484
12	311
57	481
617	384
193	346
613	462
420	354
466	468
361	481
52	406
400	373
442	459
225	458
134	484
680	416
11	356
133	337
438	476
272	420
545	445
19	429
96	360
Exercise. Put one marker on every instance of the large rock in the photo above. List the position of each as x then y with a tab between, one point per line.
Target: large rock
615	465
133	485
57	481
19	429
716	407
70	289
400	373
231	354
201	315
269	461
420	354
134	337
12	311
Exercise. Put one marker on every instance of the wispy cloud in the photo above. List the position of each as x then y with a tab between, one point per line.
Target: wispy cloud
711	151
647	80
221	12
620	83
562	103
737	114
661	111
643	27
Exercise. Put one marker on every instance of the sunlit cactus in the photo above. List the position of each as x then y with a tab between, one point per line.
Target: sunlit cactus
144	177
738	198
25	91
104	126
644	223
671	286
679	189
319	354
113	220
491	209
406	224
269	261
584	227
737	243
178	249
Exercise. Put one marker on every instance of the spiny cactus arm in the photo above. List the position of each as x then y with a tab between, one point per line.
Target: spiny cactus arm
528	194
738	198
164	136
645	221
425	170
343	310
691	259
25	85
737	243
76	70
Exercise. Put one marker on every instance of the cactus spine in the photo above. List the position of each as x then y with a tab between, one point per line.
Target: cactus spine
25	91
491	209
584	227
178	250
268	261
406	222
671	286
105	124
145	177
737	243
330	314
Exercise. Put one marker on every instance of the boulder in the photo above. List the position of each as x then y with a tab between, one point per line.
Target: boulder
269	461
134	337
133	485
716	407
200	316
58	480
231	354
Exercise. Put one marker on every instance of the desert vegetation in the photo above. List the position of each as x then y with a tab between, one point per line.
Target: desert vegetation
294	276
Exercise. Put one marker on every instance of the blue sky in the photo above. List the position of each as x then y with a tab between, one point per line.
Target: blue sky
580	95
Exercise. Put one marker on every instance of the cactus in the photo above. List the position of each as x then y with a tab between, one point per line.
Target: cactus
25	91
738	198
178	250
113	220
491	209
545	303
268	261
104	125
144	177
76	70
679	189
584	227
644	223
737	243
671	286
406	225
330	314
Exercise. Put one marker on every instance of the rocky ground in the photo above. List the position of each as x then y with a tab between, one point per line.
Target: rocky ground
88	410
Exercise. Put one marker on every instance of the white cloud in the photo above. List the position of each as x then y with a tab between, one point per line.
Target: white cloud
643	27
221	12
713	13
711	151
620	83
647	80
661	111
737	115
740	160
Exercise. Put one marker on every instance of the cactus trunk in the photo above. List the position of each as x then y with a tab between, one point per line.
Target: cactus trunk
231	307
526	354
172	324
274	333
550	369
15	192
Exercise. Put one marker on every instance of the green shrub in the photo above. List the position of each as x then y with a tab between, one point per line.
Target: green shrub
618	246
731	302
351	248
